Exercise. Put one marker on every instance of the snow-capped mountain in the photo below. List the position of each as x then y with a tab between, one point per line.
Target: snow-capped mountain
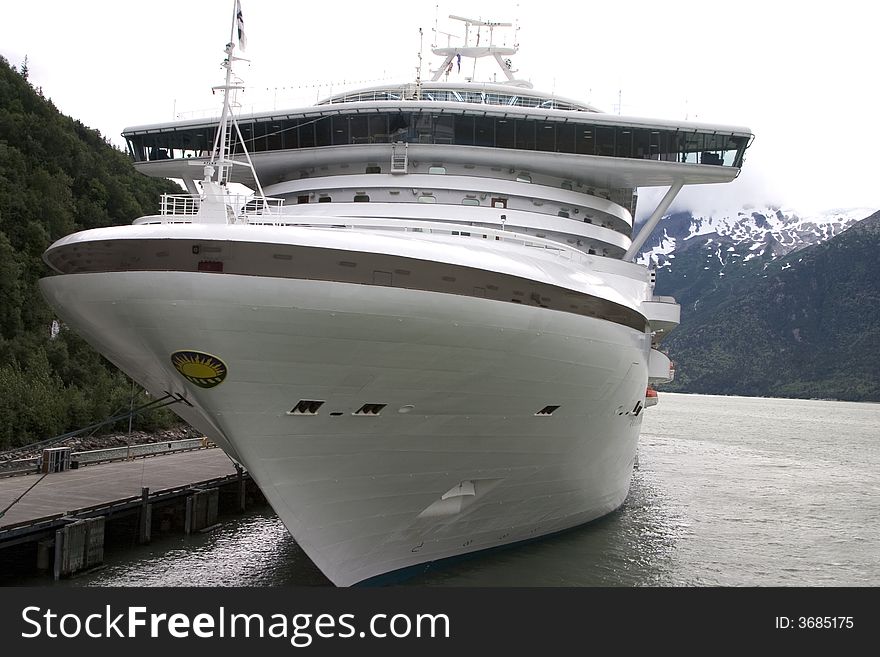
696	256
801	325
725	240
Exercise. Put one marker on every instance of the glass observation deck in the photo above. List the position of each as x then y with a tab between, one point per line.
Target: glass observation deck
574	134
472	94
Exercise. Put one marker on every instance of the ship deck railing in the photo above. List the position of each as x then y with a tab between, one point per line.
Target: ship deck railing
548	246
187	205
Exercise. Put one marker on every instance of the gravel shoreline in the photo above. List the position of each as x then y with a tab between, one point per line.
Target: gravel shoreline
87	443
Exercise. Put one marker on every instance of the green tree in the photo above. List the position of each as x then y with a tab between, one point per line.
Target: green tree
57	176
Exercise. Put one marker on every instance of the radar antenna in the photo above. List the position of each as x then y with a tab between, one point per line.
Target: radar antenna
476	51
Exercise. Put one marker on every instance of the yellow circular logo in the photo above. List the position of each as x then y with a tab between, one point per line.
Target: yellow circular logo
204	370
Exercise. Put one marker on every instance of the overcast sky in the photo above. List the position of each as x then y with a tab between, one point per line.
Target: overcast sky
801	75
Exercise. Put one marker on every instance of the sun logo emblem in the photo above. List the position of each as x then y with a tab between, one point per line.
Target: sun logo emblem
204	370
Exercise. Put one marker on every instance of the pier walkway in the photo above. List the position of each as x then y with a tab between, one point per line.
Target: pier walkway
107	487
60	522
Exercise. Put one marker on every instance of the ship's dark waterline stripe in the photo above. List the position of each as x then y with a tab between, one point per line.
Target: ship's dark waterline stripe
333	265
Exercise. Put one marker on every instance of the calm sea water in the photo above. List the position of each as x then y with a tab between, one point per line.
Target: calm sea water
729	491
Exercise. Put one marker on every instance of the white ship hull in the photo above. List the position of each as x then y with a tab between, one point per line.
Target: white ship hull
457	461
431	337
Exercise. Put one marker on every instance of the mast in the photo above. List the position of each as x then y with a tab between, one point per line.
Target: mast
215	202
220	156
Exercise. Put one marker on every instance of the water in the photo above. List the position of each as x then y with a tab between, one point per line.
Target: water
729	491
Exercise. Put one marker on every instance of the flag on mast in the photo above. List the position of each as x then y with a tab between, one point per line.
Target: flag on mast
239	21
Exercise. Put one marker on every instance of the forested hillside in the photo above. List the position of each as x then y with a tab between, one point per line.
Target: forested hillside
56	176
804	325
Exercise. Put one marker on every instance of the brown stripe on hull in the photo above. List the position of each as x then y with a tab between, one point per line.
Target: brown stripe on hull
335	265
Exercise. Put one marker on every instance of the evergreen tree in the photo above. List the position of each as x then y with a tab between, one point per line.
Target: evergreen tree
56	176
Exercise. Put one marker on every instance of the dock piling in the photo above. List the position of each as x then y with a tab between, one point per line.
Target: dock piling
59	551
78	545
94	548
242	488
202	509
146	517
44	552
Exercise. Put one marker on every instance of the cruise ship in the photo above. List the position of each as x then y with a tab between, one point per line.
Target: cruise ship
425	333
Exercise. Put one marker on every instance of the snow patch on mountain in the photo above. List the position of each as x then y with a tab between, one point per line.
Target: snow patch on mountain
749	233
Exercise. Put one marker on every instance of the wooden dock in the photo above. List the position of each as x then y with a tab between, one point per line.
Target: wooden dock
184	487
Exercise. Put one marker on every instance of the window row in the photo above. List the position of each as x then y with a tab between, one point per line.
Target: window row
429	197
456	96
427	128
